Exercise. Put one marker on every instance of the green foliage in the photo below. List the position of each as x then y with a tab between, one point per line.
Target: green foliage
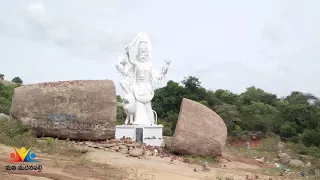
6	92
14	134
294	118
167	129
17	80
120	115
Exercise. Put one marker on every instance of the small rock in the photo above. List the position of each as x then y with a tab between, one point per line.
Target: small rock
123	147
260	160
136	152
131	145
205	167
108	145
112	150
284	158
187	161
308	164
195	170
294	162
124	151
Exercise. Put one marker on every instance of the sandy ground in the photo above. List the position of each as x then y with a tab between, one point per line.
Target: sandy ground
113	165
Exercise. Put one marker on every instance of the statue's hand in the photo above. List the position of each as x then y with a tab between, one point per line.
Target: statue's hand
165	67
167	62
127	49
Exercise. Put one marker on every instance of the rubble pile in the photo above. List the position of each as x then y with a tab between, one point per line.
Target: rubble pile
128	146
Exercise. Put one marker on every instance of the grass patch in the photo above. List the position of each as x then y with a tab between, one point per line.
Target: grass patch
14	134
83	161
53	146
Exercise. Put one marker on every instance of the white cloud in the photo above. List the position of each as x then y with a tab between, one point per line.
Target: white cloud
40	26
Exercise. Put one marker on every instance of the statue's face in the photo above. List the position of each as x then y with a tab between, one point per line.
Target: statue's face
143	52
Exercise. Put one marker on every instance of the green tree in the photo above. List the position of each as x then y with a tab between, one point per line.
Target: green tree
230	114
17	80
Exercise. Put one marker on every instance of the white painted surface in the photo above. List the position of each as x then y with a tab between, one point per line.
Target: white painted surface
152	134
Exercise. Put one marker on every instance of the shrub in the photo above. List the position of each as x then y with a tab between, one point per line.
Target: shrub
167	127
14	134
300	148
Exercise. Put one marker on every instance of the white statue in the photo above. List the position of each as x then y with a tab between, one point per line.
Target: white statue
129	106
140	80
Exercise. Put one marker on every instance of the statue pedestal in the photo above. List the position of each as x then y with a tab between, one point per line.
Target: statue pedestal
148	134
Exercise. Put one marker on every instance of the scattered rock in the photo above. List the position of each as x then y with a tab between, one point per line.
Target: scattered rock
187	160
108	145
260	160
284	158
199	131
205	167
123	147
124	151
297	163
136	152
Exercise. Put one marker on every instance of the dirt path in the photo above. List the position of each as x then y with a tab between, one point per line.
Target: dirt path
113	165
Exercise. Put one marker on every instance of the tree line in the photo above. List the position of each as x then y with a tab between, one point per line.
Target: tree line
295	118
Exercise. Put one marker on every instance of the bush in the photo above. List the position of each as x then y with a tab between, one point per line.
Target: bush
270	143
14	134
167	128
300	148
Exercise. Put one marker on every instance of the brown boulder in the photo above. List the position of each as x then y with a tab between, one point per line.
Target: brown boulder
199	131
82	110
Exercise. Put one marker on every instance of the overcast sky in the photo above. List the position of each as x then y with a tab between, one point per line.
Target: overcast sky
273	45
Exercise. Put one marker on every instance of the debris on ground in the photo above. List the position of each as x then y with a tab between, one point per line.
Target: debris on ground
205	167
126	146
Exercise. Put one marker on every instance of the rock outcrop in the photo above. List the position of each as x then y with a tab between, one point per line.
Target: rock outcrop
82	110
199	131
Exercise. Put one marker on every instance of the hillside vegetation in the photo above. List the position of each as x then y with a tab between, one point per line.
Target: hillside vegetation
294	118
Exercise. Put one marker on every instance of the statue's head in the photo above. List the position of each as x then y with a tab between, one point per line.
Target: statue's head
142	55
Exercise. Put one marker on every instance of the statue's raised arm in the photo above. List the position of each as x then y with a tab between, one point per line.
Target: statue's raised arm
164	70
128	49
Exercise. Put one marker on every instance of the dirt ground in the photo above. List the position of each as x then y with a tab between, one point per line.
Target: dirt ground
97	164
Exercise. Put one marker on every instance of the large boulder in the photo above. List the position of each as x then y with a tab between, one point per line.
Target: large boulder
199	131
83	110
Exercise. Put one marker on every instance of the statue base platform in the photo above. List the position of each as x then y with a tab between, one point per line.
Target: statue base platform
148	134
